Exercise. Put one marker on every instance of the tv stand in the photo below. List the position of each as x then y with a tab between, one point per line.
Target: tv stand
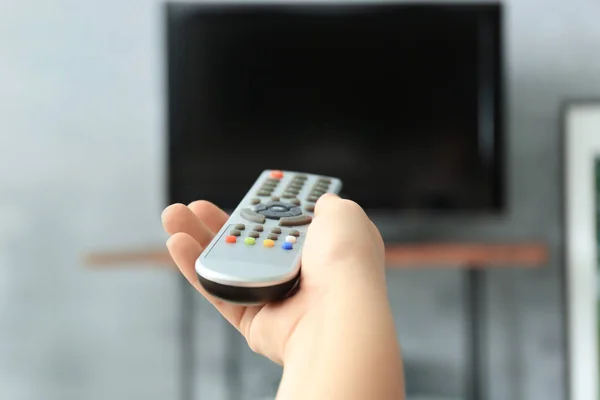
474	258
461	255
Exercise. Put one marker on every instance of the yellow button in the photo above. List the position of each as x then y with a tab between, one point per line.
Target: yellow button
249	240
268	243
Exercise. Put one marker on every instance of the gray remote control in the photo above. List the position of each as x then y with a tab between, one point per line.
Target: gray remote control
255	257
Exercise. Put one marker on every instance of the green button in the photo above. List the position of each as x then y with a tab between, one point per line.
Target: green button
249	240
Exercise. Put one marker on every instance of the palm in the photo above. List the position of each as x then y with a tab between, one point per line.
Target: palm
191	229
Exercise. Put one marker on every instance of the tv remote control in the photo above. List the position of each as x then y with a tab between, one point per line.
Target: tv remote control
255	257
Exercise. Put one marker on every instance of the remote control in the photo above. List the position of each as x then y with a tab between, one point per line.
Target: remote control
255	257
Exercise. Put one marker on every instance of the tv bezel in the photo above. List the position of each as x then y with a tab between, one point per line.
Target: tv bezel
173	9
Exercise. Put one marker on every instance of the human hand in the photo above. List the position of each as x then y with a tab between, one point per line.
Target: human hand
342	254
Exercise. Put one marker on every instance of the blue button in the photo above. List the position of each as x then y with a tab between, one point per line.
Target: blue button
287	245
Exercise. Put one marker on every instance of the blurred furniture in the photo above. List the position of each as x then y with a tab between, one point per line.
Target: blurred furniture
582	212
470	255
473	257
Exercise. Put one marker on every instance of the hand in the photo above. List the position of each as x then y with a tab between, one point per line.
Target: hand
343	252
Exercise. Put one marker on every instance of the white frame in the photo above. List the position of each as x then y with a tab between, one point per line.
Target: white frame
582	149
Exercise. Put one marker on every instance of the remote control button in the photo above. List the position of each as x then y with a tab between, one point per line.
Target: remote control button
273	236
254	235
235	232
278	209
251	216
240	227
275	198
295	221
258	228
287	246
268	243
296	185
321	187
276	230
249	240
276	214
259	207
230	239
276	174
291	239
296	211
263	193
317	193
295	202
255	201
310	208
301	177
272	182
324	180
289	195
278	206
312	199
295	232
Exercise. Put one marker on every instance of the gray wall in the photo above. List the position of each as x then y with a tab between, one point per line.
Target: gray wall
81	168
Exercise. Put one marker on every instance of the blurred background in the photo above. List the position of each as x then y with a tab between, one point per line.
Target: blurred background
111	110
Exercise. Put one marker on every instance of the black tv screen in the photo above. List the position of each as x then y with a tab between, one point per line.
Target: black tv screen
402	102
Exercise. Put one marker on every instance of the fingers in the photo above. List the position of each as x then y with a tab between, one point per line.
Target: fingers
179	218
184	250
212	216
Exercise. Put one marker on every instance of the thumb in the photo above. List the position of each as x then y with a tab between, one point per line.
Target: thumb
339	217
341	231
326	202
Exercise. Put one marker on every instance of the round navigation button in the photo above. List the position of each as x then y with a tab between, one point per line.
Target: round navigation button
249	240
276	174
268	243
259	207
287	246
277	210
296	211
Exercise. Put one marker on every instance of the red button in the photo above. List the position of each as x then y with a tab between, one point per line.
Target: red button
277	174
230	239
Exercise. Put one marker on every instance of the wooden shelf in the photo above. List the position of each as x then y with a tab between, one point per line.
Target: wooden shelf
470	255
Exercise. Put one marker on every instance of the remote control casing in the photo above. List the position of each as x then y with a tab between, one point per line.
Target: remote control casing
255	257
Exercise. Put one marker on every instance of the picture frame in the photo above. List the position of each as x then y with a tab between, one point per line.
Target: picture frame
582	240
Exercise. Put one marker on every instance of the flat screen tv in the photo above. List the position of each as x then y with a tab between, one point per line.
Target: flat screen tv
403	102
